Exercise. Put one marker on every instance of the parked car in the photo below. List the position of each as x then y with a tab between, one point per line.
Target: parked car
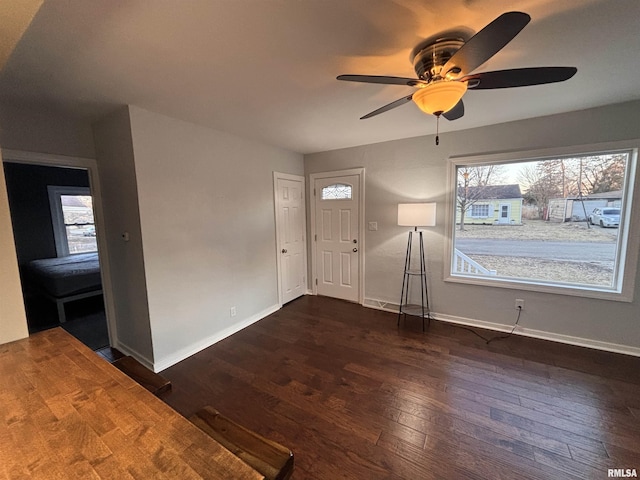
605	217
90	232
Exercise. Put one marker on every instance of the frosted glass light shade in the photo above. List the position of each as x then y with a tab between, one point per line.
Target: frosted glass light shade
417	214
440	96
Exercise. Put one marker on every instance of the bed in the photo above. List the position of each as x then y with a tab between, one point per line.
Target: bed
65	279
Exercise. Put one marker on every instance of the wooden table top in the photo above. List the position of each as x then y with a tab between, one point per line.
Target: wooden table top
67	413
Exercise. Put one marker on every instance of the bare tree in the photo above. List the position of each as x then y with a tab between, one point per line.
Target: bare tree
580	176
472	183
540	185
604	173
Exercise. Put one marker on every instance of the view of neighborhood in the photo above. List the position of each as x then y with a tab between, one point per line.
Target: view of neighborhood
551	220
77	211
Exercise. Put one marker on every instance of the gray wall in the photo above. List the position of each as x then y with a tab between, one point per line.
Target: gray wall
44	130
416	170
208	230
114	151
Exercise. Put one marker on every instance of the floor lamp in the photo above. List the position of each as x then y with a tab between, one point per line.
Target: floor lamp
415	215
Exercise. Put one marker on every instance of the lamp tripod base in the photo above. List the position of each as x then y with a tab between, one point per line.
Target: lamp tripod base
418	310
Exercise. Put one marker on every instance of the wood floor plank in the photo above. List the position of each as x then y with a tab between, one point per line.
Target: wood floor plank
354	397
571	438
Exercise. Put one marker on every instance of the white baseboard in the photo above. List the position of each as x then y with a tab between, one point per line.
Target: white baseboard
127	350
194	348
381	305
580	342
526	332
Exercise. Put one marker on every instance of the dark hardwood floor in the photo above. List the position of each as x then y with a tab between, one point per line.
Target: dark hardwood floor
356	397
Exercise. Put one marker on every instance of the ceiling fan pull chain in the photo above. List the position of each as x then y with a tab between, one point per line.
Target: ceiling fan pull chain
437	129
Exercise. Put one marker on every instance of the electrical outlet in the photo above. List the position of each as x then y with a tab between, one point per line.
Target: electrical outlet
519	304
232	311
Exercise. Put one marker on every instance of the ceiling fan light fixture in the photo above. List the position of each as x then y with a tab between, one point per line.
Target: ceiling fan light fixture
440	96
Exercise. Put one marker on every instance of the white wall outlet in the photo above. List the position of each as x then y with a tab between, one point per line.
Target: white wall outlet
373	226
519	304
232	311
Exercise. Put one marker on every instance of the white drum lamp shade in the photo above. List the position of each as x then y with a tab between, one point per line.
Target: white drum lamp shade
417	214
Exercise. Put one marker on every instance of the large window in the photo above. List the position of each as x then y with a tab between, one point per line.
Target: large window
552	223
72	216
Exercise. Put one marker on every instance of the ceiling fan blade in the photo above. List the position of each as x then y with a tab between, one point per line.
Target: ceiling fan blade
518	77
456	112
381	79
487	42
389	106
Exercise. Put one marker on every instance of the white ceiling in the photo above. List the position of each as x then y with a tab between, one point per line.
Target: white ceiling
265	69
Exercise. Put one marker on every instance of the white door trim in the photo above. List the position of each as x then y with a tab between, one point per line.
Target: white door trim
89	164
314	271
287	176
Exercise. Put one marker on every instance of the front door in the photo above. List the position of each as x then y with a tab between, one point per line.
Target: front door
291	233
505	213
337	236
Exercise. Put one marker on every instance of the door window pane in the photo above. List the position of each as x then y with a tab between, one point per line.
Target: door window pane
338	191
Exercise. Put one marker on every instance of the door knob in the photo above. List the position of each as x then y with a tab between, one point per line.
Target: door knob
355	240
284	250
355	249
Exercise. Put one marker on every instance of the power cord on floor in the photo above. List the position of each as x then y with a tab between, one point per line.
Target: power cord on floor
497	337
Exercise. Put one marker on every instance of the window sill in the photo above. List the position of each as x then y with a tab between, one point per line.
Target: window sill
587	291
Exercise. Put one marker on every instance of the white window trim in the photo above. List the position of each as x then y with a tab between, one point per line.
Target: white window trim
57	217
628	243
489	210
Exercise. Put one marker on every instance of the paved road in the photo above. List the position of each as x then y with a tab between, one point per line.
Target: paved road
572	251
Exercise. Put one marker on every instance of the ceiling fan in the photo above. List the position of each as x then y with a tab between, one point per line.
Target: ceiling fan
444	68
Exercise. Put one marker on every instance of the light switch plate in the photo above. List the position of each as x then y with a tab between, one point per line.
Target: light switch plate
373	226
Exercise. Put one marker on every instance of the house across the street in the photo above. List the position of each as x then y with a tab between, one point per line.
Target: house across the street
491	205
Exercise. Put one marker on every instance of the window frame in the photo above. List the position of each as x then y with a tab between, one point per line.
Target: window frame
57	216
488	207
628	242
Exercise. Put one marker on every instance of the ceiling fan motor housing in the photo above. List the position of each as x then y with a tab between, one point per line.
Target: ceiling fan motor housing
428	61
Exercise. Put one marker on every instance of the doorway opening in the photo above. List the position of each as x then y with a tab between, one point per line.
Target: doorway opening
52	214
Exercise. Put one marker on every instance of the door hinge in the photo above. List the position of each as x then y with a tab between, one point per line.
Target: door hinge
314	192
316	282
315	235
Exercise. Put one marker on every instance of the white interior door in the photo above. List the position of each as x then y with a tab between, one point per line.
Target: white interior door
337	236
291	236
